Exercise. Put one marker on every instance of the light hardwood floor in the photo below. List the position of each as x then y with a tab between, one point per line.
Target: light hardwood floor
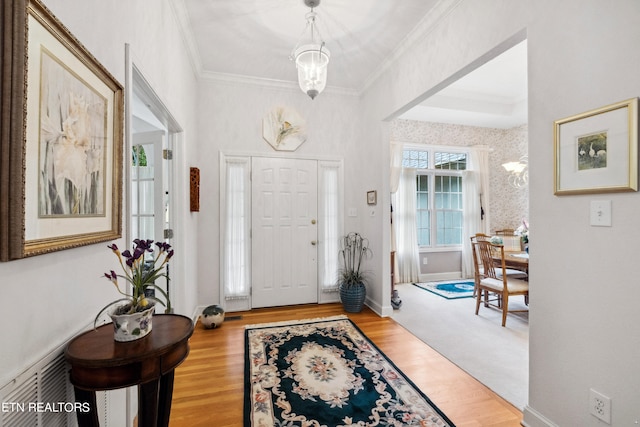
209	385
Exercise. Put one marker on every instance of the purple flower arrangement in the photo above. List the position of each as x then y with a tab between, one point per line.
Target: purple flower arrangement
141	268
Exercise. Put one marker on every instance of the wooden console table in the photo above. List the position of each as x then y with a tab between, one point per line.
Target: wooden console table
98	362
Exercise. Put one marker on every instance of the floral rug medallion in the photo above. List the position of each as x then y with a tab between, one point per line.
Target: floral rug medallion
326	373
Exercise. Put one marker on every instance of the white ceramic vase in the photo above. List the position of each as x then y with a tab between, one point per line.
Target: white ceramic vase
212	316
130	327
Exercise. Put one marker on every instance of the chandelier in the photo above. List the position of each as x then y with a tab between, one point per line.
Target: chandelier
518	172
311	56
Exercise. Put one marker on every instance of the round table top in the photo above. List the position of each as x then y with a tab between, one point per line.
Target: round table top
98	348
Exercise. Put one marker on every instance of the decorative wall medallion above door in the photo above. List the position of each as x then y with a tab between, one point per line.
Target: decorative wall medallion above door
284	129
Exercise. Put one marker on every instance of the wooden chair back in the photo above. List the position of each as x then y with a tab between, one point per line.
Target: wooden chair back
476	263
486	252
480	236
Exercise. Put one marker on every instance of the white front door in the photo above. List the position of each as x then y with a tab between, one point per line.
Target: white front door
284	232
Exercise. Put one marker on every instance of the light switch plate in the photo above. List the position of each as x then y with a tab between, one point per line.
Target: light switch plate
601	213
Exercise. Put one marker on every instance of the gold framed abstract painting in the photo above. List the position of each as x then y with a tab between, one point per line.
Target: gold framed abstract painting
597	151
62	140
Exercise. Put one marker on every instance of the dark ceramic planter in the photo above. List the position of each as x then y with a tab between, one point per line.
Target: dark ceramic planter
353	297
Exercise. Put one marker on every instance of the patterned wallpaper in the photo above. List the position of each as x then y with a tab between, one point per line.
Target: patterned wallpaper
507	205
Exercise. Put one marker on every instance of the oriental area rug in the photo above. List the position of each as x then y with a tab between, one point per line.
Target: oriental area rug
452	289
327	373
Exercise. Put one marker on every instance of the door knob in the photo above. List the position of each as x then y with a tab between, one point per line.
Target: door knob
313	243
313	221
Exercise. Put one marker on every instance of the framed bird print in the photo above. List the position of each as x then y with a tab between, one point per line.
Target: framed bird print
597	151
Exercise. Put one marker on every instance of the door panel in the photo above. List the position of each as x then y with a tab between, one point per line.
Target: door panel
284	232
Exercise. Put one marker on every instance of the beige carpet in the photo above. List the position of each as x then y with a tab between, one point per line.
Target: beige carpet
497	357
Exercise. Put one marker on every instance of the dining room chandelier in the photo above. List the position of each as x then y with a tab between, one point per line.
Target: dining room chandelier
311	56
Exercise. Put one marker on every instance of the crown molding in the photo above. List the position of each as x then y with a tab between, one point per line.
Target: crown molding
237	79
430	21
424	27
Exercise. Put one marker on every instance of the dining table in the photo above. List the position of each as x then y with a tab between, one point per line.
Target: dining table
517	260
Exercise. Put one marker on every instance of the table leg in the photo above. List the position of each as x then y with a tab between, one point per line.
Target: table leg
87	419
164	400
148	404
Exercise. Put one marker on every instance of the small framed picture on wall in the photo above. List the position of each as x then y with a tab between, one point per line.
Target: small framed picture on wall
597	151
372	197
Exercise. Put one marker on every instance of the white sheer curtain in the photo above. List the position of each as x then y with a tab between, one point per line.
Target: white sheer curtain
407	234
394	180
476	195
396	165
329	224
237	244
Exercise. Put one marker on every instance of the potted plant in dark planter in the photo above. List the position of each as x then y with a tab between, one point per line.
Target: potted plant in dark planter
352	280
132	314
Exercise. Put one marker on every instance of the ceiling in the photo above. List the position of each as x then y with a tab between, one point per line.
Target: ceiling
493	95
252	40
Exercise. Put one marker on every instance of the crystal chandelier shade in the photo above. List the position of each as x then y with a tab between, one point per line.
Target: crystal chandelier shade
312	57
312	61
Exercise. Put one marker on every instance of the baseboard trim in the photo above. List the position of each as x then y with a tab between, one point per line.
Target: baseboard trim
533	418
380	310
435	277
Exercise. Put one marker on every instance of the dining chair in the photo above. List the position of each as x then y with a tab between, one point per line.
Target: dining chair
511	272
496	299
494	279
477	265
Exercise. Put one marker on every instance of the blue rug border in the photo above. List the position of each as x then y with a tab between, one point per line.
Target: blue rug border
446	281
247	368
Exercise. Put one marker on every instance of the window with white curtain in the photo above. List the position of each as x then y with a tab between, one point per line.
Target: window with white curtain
439	194
237	218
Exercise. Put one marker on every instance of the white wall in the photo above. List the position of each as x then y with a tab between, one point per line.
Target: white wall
47	299
584	291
